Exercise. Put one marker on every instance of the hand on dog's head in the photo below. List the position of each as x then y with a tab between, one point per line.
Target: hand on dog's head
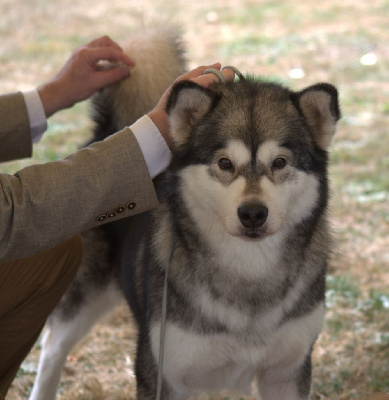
159	116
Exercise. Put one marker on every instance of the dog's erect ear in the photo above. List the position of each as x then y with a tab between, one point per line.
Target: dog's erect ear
187	104
319	105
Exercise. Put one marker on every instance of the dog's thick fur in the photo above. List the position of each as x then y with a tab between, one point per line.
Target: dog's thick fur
244	211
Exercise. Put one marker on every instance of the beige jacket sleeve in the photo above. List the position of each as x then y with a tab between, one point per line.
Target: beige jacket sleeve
43	205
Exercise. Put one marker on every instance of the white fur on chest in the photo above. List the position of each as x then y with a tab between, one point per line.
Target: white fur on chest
240	322
195	362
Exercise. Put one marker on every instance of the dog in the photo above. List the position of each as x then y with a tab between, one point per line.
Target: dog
241	229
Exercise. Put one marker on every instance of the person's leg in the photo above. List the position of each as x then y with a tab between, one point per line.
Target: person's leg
29	290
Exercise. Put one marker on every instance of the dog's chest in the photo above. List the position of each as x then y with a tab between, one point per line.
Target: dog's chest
194	362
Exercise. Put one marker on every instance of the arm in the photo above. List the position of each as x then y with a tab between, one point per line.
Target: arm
43	205
82	75
79	78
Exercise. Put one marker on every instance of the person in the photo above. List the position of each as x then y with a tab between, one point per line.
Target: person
43	208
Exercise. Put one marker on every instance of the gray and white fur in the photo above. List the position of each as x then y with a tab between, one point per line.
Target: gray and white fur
244	212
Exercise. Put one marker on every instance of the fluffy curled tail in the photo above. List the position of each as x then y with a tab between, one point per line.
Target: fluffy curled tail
159	60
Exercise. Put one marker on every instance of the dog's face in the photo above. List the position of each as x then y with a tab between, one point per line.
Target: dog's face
252	156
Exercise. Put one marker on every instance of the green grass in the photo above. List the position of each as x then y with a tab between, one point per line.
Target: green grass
341	288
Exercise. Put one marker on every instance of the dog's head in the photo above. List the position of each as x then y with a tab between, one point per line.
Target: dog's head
252	156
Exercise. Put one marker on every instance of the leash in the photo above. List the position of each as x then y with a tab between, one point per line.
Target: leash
163	323
221	76
165	283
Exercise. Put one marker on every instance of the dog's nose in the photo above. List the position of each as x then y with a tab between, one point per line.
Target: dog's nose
252	214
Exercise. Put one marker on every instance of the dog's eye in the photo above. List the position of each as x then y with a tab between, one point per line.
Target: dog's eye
279	163
225	164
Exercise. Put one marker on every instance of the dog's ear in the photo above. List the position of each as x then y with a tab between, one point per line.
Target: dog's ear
319	105
187	105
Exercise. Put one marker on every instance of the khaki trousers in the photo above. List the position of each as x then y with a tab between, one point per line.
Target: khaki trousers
29	290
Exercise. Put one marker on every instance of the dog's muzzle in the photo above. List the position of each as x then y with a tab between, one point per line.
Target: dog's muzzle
252	215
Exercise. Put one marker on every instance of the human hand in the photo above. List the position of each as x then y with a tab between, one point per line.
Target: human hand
158	114
82	74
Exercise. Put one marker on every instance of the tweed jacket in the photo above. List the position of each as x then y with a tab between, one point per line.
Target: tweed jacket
44	205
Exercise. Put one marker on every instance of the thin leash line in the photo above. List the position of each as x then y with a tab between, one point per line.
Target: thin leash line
163	324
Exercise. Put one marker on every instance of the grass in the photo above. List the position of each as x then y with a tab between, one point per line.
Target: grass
326	40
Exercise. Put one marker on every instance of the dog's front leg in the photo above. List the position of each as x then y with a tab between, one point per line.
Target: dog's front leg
286	383
146	371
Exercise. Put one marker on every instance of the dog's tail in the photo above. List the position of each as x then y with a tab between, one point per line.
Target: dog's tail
159	59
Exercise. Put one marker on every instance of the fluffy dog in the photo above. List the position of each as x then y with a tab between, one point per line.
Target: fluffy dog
242	225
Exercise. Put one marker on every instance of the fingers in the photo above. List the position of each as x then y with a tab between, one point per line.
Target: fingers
209	78
158	114
195	73
104	41
104	48
108	53
112	75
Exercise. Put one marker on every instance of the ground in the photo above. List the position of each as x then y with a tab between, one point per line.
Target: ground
298	43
